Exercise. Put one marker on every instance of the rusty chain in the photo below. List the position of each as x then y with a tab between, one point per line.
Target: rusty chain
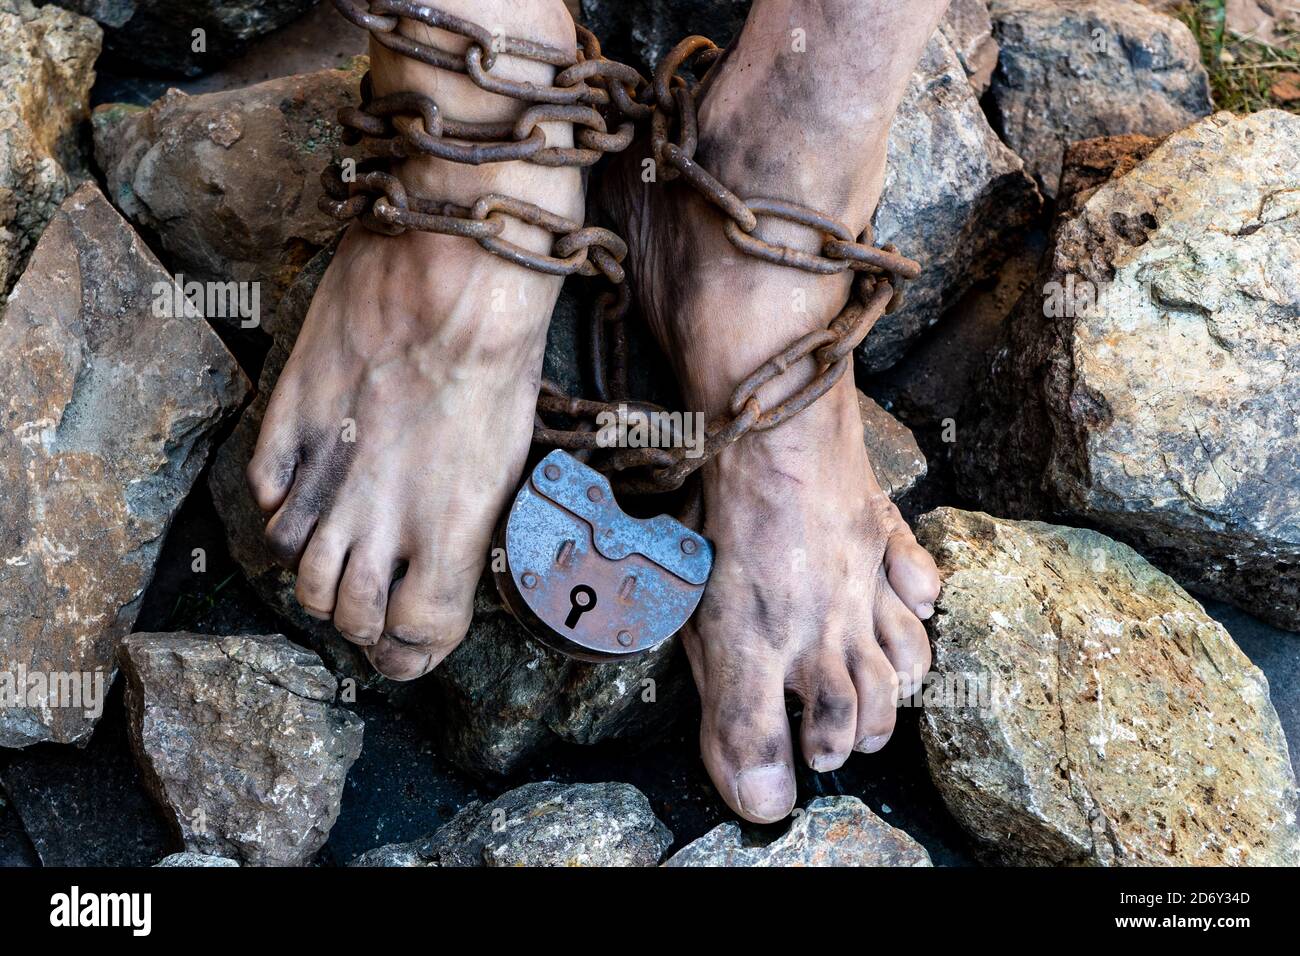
596	93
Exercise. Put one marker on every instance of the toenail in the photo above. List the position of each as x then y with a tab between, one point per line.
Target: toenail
825	763
925	611
360	641
870	745
766	793
318	615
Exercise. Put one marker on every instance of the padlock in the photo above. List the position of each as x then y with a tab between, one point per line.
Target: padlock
588	580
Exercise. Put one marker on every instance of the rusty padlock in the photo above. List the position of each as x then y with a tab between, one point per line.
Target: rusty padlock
588	580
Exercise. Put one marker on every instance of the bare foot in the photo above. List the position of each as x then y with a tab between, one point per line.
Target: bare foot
819	587
400	425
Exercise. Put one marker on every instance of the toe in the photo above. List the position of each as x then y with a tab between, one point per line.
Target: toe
425	623
363	595
290	528
271	469
319	572
911	571
876	683
830	717
902	637
745	739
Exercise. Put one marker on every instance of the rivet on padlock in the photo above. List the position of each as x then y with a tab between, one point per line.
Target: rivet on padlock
588	580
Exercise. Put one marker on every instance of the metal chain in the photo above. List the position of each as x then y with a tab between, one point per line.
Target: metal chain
594	92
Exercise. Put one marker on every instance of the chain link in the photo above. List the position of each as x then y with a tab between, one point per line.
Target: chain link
596	95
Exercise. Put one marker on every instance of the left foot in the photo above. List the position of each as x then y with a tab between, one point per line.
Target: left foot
819	587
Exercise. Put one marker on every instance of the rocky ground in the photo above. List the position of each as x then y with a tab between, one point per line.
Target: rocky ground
1098	354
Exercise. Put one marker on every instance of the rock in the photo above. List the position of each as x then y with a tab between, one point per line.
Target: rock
929	390
1113	721
893	452
501	697
541	824
48	59
1090	163
240	741
87	806
164	35
229	181
320	39
1077	70
195	860
830	831
969	28
955	197
1155	402
109	405
640	33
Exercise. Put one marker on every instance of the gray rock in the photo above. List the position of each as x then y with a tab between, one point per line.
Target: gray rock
894	454
830	831
1155	400
110	408
229	181
541	824
159	35
968	27
47	56
955	200
501	697
196	860
1086	68
1085	710
240	741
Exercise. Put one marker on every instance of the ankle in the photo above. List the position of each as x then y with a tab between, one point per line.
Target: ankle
558	190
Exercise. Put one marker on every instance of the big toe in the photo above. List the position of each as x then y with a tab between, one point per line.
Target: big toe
912	572
745	741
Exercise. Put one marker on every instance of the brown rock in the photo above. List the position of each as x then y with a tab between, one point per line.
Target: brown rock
1090	163
1145	384
229	181
1106	719
240	741
47	57
830	831
107	412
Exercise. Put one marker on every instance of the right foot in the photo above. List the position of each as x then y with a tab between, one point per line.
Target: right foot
425	350
818	587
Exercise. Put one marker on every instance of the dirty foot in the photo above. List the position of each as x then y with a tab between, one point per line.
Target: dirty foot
400	425
819	587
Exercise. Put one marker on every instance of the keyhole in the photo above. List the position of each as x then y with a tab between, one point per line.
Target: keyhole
582	599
